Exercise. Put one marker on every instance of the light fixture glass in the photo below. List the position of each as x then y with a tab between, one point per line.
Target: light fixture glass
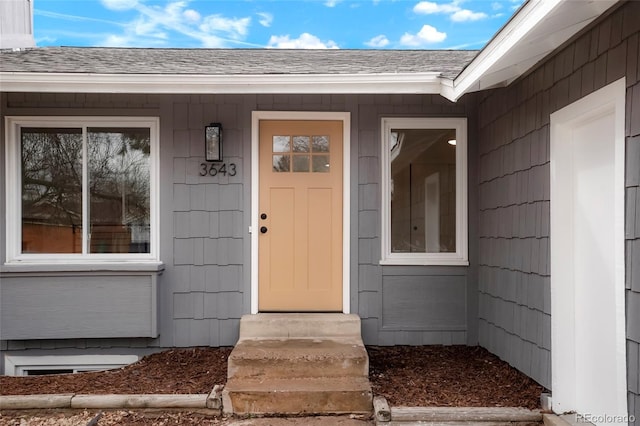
213	142
452	142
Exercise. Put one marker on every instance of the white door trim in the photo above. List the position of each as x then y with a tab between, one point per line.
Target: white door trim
345	117
607	101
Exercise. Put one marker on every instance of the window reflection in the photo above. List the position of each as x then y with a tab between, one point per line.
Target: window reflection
288	157
423	173
51	190
119	190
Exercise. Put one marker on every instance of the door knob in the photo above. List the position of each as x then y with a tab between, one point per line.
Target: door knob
263	229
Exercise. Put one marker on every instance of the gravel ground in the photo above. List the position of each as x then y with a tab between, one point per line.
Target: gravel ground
146	418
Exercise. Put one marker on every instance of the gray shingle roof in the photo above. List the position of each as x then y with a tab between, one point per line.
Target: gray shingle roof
448	63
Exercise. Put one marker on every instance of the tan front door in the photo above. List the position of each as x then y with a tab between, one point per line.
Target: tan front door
300	224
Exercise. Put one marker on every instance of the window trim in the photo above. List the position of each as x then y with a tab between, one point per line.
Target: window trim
461	255
13	124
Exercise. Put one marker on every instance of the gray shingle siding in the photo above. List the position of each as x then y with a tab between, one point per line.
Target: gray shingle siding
204	240
513	279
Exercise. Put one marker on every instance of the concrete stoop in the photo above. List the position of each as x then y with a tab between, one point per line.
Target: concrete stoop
298	364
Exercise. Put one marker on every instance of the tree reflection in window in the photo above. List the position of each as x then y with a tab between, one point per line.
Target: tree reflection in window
305	154
117	186
119	190
51	190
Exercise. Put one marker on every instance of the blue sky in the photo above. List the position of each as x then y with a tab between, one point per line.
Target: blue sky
336	24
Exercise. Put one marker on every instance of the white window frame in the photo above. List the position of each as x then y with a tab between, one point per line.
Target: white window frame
14	253
17	365
461	255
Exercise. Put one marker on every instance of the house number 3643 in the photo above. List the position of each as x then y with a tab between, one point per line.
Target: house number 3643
214	169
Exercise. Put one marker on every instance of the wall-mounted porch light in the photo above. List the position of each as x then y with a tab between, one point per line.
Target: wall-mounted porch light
213	142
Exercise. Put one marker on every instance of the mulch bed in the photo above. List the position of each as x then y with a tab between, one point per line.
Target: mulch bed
191	371
405	375
449	376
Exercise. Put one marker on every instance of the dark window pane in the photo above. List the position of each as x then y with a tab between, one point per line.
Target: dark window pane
423	173
119	190
51	189
300	163
47	372
321	163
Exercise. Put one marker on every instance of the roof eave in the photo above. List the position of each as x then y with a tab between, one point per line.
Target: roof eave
400	83
527	38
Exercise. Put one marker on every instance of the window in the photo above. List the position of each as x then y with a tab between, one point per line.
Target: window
81	188
35	365
309	153
424	191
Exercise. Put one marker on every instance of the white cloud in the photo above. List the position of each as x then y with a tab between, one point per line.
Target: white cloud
378	41
45	39
305	41
234	27
427	35
191	15
76	18
265	19
428	8
119	4
496	6
156	25
331	3
455	12
117	41
465	15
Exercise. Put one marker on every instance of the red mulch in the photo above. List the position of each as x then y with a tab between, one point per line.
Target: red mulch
194	370
449	376
405	375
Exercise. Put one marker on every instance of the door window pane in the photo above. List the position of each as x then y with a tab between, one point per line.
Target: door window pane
119	190
423	186
281	143
281	163
301	144
321	164
320	144
300	163
51	161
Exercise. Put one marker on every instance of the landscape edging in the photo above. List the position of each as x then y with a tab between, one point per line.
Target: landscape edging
113	401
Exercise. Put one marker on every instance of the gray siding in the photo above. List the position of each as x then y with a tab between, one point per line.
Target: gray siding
396	304
204	220
79	305
513	279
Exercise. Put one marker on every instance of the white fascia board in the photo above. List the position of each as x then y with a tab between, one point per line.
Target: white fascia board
527	18
398	83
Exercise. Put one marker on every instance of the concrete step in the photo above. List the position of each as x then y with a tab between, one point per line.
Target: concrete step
300	326
297	396
296	358
298	364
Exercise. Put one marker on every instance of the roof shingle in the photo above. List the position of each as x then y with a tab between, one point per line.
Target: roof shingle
448	63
